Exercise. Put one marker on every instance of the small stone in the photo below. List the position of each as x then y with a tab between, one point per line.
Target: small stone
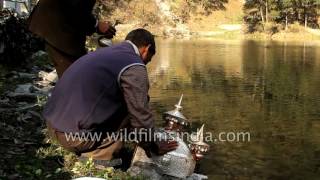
15	77
26	107
22	103
26	75
51	77
24	88
195	176
45	90
24	117
146	171
16	141
40	55
4	103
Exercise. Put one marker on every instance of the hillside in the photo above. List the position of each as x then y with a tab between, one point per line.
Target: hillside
178	19
167	17
231	15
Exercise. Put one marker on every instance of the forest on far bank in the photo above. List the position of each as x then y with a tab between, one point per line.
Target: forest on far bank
179	18
273	15
256	15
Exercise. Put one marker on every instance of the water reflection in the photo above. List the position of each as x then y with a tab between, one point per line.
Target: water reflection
269	89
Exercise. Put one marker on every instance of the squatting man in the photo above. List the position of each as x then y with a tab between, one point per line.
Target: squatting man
103	92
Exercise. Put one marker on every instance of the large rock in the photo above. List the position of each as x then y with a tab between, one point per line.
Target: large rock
149	170
146	170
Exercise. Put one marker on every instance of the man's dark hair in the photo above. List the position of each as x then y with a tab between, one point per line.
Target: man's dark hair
141	37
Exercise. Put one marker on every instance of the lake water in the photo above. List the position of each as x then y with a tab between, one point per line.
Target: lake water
269	89
2	71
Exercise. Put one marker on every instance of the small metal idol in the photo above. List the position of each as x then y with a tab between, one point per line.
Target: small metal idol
179	163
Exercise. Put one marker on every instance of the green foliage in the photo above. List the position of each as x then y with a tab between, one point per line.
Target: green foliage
212	5
253	19
106	8
16	41
84	168
185	7
128	11
259	12
295	28
88	168
272	28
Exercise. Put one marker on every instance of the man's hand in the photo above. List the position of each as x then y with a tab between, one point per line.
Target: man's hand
106	29
165	146
159	147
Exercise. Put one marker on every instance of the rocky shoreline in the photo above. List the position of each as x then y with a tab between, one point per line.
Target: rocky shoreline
27	151
23	129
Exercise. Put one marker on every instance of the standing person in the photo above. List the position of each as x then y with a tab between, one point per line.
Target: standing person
64	24
102	91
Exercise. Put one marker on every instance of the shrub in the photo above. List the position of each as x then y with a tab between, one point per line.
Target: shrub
295	28
17	43
272	28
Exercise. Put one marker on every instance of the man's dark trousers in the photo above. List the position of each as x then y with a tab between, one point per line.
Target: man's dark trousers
64	26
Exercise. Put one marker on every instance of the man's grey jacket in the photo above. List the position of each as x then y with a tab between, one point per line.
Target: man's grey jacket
99	90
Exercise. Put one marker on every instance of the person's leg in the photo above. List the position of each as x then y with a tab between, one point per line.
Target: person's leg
61	61
109	148
98	150
73	145
105	149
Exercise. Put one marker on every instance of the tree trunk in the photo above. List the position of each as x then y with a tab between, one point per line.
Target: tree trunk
1	5
266	11
286	21
305	21
261	14
306	6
